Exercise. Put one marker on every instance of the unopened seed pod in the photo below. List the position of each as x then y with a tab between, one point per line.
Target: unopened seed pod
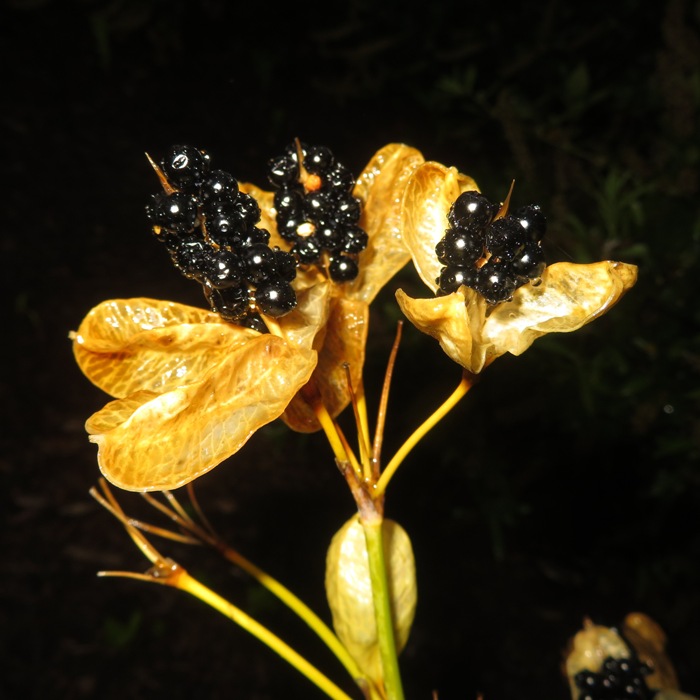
349	591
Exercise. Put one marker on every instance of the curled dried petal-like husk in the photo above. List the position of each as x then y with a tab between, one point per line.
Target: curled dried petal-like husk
349	591
343	344
129	345
649	641
429	194
473	333
153	441
380	187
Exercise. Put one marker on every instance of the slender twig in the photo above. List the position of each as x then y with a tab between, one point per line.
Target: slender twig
384	399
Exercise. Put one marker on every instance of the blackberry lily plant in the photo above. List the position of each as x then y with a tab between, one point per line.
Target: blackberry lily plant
288	274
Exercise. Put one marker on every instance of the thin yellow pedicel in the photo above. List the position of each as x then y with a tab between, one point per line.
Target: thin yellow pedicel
465	384
167	572
363	439
208	535
339	444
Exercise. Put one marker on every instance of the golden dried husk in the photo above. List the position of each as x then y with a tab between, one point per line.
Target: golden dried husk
349	591
191	389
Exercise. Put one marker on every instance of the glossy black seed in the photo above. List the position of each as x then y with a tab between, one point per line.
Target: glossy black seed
532	220
176	212
471	211
348	210
275	298
505	238
254	321
354	240
495	282
259	264
285	264
191	258
255	236
219	186
185	166
452	278
318	204
529	262
340	178
223	269
321	217
318	160
283	170
459	248
224	225
247	208
231	303
618	679
307	250
342	268
328	235
288	203
288	228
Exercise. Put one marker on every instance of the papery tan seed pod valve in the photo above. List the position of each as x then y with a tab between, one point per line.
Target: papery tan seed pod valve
349	591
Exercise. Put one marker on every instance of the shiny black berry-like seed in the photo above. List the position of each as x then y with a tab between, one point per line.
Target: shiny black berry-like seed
348	211
288	203
532	220
354	240
275	298
255	236
285	265
283	170
342	268
191	258
471	211
328	235
307	250
340	178
247	208
231	303
318	159
505	238
529	262
452	278
495	282
185	166
459	248
219	186
259	264
223	269
176	212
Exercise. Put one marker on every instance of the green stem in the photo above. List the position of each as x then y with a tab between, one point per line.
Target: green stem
372	527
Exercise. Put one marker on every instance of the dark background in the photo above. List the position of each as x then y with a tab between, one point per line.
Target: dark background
565	485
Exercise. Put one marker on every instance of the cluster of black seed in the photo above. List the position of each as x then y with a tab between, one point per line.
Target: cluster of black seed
209	228
492	255
315	209
618	679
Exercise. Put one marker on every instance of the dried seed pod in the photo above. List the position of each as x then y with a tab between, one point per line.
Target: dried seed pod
629	661
349	591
